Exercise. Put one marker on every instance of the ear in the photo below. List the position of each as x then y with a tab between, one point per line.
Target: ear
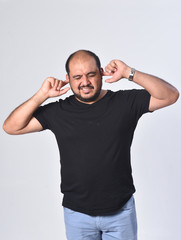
67	77
102	71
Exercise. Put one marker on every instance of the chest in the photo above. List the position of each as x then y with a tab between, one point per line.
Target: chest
110	122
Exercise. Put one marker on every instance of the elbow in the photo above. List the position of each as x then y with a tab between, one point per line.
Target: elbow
172	98
175	96
7	130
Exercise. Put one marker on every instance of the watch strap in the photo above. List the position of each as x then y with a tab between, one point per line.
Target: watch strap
131	75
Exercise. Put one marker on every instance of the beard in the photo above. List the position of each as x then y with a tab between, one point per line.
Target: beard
88	99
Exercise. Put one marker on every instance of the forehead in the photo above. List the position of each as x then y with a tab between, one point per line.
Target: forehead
82	64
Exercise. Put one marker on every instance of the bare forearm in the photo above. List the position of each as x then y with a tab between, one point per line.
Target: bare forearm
157	87
20	121
162	93
21	116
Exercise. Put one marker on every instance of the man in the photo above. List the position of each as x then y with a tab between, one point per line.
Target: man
94	130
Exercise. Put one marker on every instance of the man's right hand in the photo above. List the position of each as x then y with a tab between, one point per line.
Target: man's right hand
51	87
21	121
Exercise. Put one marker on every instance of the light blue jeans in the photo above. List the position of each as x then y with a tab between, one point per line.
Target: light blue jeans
121	225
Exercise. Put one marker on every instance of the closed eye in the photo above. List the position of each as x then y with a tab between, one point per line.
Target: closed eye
77	77
91	74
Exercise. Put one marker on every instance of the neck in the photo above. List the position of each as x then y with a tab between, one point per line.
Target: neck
102	93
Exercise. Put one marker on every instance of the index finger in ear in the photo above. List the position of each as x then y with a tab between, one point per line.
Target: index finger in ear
62	83
106	73
66	81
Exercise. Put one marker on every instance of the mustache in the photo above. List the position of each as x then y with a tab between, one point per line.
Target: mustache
88	86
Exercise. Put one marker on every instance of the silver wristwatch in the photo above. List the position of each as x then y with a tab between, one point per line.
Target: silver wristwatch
131	75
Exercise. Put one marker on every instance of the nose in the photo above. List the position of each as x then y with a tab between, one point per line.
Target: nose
85	80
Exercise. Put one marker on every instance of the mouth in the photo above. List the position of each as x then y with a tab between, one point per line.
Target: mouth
86	89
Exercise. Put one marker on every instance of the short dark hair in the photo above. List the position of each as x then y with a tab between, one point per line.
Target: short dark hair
98	63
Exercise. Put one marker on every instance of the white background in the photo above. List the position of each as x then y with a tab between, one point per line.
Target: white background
36	38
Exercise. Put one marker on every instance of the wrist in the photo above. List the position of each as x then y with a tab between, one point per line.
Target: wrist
127	72
39	97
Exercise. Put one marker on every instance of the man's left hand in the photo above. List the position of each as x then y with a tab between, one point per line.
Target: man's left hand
117	69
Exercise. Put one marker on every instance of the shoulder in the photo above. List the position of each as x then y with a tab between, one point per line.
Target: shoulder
54	105
132	94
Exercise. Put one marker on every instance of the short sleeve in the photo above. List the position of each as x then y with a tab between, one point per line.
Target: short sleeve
138	101
45	115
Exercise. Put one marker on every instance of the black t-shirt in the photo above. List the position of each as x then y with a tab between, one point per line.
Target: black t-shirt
94	141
